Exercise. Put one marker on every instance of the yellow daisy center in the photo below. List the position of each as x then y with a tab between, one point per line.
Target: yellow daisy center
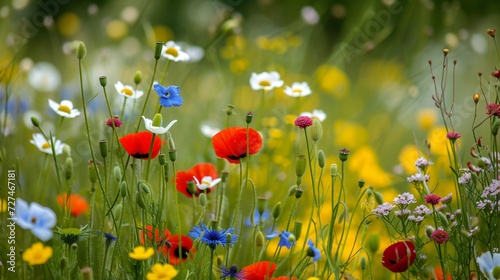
64	108
45	145
297	90
172	51
127	91
264	83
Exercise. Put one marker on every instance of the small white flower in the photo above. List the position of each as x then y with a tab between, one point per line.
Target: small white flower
422	162
65	108
404	199
44	77
44	145
173	52
309	15
318	114
383	210
157	129
265	81
206	182
209	130
127	91
487	262
297	89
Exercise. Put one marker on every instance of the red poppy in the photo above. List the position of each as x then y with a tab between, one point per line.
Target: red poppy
158	238
399	256
75	203
231	143
259	270
173	248
198	171
138	145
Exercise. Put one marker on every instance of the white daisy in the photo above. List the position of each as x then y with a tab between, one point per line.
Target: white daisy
65	108
487	263
298	90
157	129
44	77
44	145
173	52
128	91
265	81
318	114
206	182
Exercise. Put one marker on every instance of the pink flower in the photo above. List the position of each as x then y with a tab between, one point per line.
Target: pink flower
440	236
453	135
117	122
303	121
493	109
432	199
496	74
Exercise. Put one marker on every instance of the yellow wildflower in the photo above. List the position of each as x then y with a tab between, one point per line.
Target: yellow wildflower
140	253
37	254
162	272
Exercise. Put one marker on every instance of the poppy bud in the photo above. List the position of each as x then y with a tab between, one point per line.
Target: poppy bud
203	199
103	147
162	158
171	143
35	122
363	263
87	273
81	50
379	198
298	192
361	183
158	120
123	189
277	210
74	246
429	230
297	229
144	185
321	159
249	118
103	80
443	219
373	243
292	238
262	205
68	171
140	200
259	239
316	130
300	165
172	155
158	48
117	174
496	272
229	109
92	174
137	77
117	212
191	187
333	170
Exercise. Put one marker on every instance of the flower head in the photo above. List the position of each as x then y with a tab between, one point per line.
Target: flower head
40	220
433	199
231	272
297	90
212	237
37	254
65	108
162	272
128	91
186	248
173	52
399	256
493	109
496	74
75	203
287	239
169	96
259	271
138	145
231	143
109	238
313	251
204	172
315	114
453	135
440	236
404	199
115	120
491	32
303	121
140	253
265	81
487	263
44	145
156	127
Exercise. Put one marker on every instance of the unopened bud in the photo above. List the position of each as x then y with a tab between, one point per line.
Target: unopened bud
300	165
68	170
123	189
475	97
297	229
277	210
321	159
373	243
103	147
158	120
35	122
361	183
229	109
117	174
229	238
292	238
379	198
67	150
333	170
140	200
144	185
191	187
92	174
63	263
316	130
137	77
81	50
162	158
429	230
259	239
203	199
158	48
249	118
443	219
496	272
103	80
298	192
363	263
262	205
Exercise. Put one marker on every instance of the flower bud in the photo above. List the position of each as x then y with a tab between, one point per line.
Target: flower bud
475	97
262	205
74	246
344	154
68	170
379	198
63	263
203	199
333	170
361	183
229	238
171	143
316	130
123	189
259	239
321	159
229	109
67	150
144	185
292	238
117	174
300	165
103	147
158	48
81	50
35	122
429	230
443	219
162	158
172	155
373	243
86	273
139	199
191	187
298	192
277	210
249	118
363	263
137	77
158	120
103	80
297	229
92	174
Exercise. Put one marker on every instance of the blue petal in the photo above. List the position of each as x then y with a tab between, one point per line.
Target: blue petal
176	100
173	90
165	102
160	90
272	235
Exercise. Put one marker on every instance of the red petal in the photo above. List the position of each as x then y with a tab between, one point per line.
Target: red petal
187	248
75	203
395	257
231	143
181	182
138	145
259	270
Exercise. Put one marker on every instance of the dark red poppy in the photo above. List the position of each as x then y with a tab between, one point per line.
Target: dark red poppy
231	143
75	203
399	256
138	145
158	238
172	248
259	271
198	171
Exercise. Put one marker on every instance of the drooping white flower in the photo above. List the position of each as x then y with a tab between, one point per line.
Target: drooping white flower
318	114
487	263
155	125
265	81
173	52
206	182
45	146
65	108
128	91
297	89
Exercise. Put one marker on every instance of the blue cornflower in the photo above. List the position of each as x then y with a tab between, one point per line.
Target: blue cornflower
109	238
212	237
231	272
169	96
286	238
312	251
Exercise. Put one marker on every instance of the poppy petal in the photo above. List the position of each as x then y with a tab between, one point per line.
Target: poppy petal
138	145
399	256
231	143
75	203
186	244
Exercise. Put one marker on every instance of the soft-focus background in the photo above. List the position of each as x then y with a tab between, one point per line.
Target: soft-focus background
365	61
